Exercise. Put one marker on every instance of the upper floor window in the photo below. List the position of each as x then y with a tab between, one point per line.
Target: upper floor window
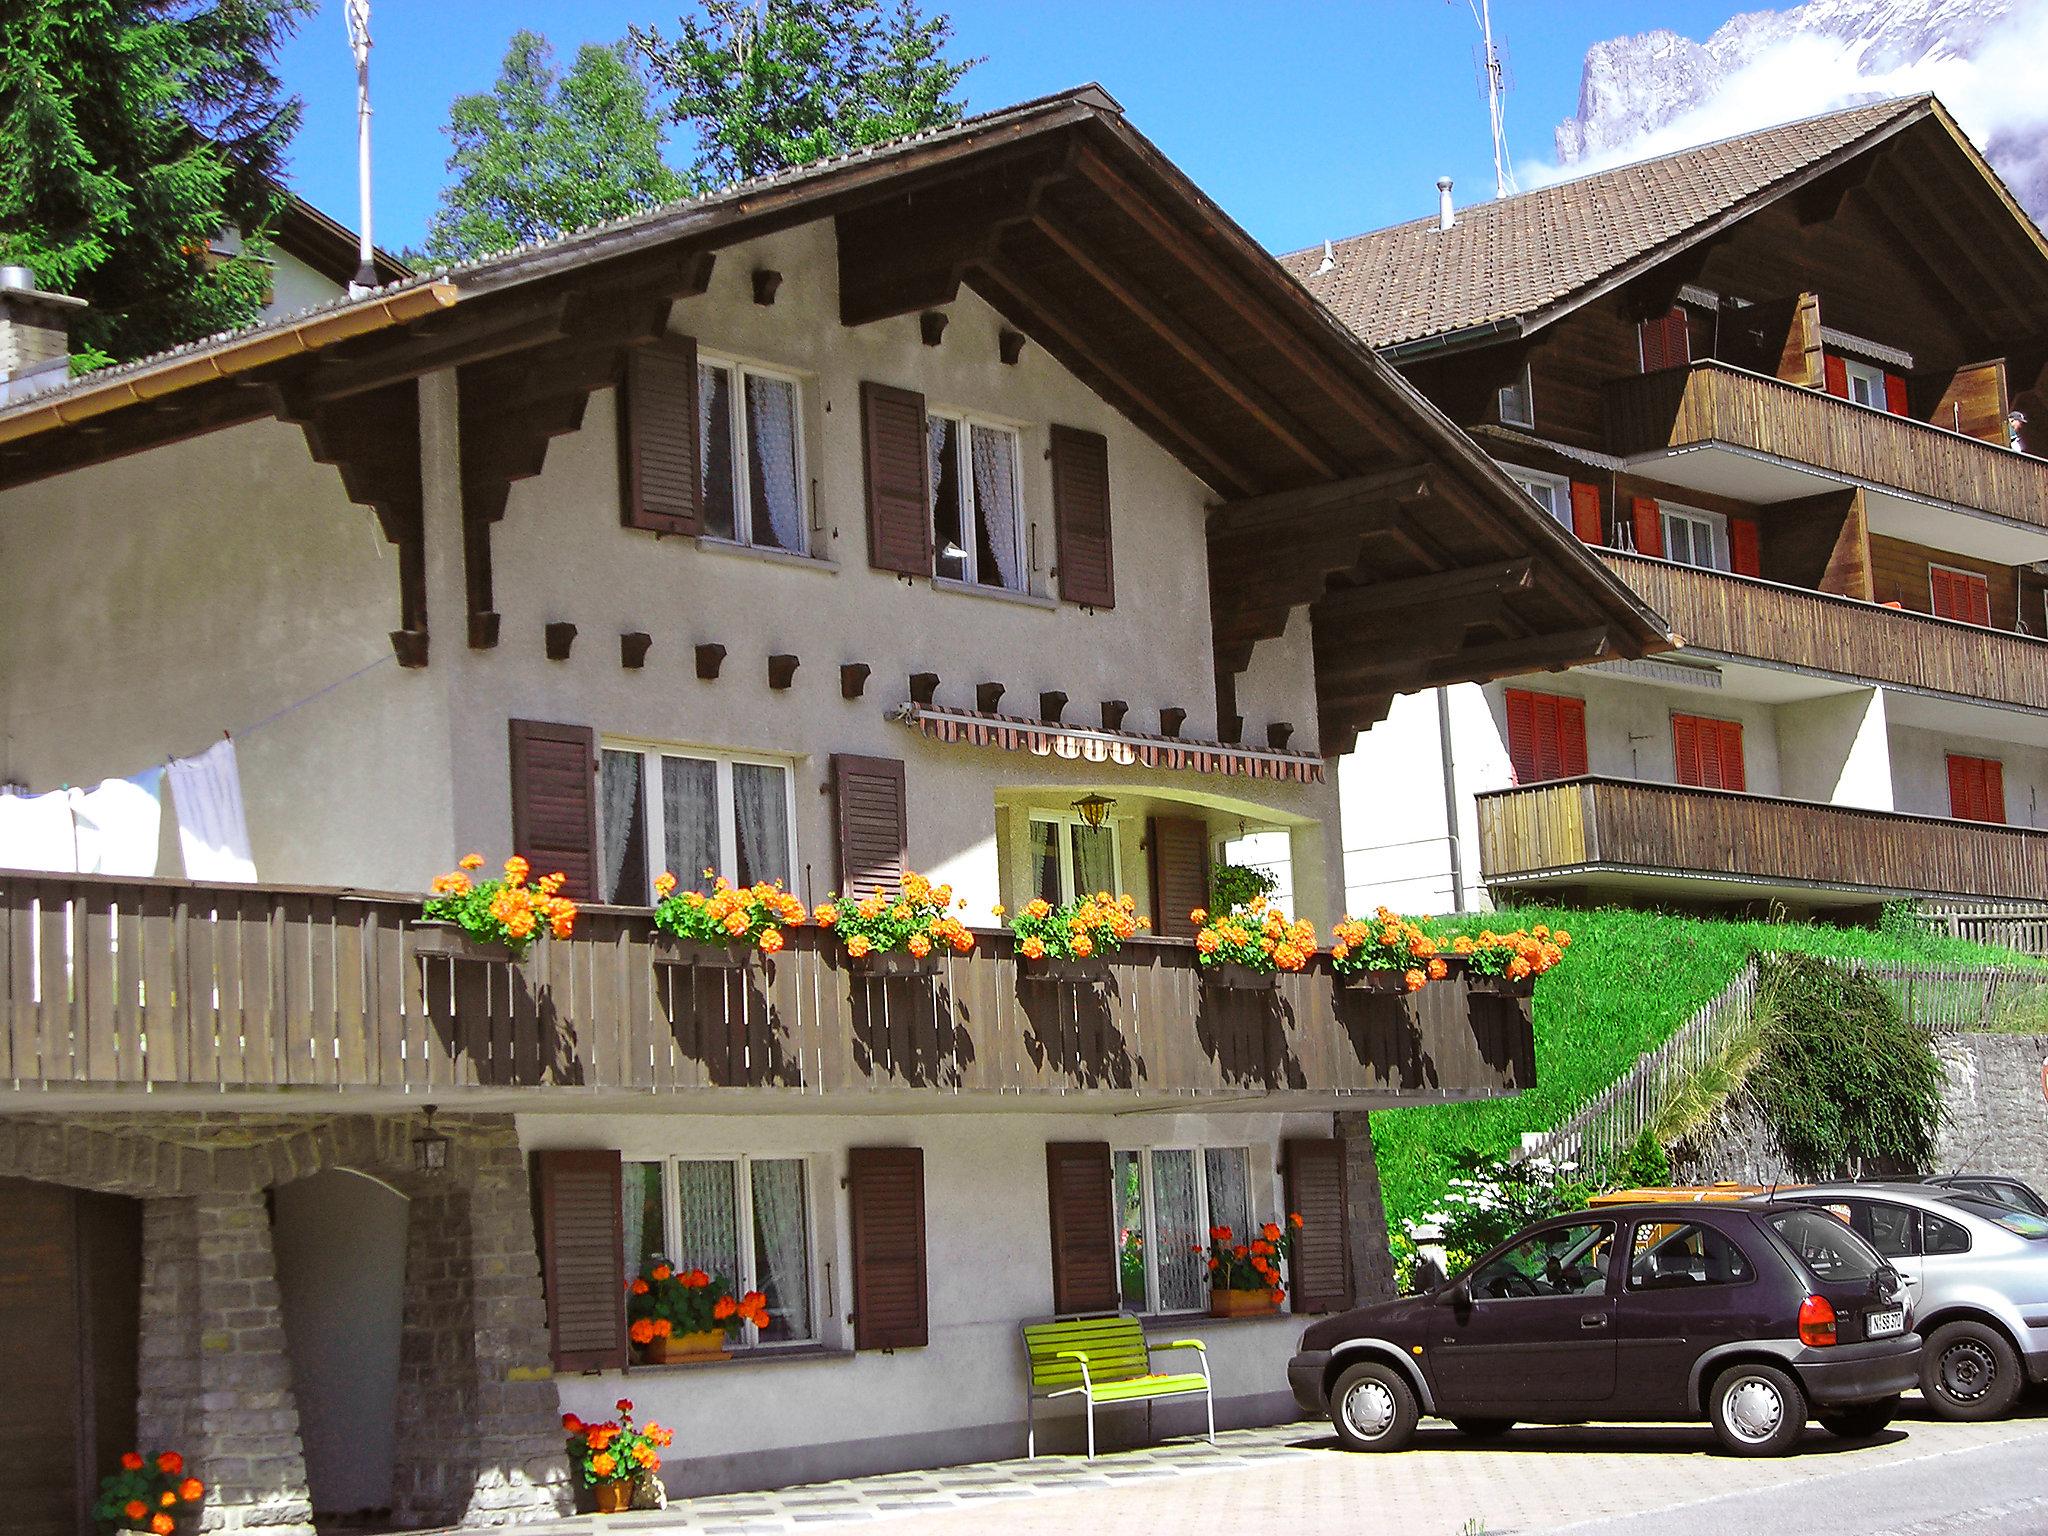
1666	340
1707	752
1976	788
1546	735
1865	383
1961	595
1693	537
977	511
750	428
1070	859
743	1219
1553	493
1518	401
1167	1201
686	812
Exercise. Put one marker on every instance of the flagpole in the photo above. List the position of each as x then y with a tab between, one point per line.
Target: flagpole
359	43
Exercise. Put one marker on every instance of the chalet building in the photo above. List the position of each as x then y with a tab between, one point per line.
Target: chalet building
986	504
1781	385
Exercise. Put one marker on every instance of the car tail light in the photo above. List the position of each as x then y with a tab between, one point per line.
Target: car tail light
1816	1321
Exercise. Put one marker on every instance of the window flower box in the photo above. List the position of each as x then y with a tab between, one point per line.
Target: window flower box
677	1316
903	932
434	939
1235	976
1386	953
720	929
1245	949
501	918
883	965
1072	942
1245	1275
1252	1303
698	954
1078	973
687	1348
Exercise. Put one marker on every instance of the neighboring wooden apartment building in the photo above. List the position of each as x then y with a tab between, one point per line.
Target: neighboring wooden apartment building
1781	384
863	517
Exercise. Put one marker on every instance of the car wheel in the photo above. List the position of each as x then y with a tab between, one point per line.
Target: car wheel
1756	1410
1861	1421
1484	1429
1969	1372
1374	1408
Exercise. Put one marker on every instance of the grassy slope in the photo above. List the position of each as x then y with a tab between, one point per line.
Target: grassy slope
1630	979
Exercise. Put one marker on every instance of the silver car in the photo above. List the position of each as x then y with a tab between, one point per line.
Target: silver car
1976	1276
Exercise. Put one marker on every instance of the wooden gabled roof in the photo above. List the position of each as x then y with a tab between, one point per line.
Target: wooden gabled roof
1337	485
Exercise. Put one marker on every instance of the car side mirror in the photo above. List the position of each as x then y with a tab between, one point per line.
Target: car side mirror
1457	1294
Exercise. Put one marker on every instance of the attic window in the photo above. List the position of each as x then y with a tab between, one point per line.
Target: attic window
1518	401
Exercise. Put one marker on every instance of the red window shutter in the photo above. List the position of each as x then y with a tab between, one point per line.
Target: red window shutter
1546	736
554	802
658	463
885	1191
1745	546
1961	595
1081	1205
583	1258
1707	752
1080	515
1976	788
1895	395
1571	738
1521	707
1319	1269
1685	749
1666	341
1586	513
1179	856
1649	526
1734	773
873	828
1994	791
1837	374
898	475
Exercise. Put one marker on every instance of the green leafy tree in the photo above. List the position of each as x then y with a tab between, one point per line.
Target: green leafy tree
541	152
781	83
132	132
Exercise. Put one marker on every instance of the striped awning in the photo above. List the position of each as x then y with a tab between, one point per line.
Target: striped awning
1116	749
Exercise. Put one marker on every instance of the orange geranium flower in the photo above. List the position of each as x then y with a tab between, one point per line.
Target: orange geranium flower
170	1463
191	1490
642	1332
162	1524
131	1461
135	1509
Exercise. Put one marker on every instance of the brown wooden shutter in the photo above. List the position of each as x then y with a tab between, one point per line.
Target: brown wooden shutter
898	472
1180	873
885	1187
1080	513
658	465
583	1258
1080	1201
1319	1270
554	802
873	855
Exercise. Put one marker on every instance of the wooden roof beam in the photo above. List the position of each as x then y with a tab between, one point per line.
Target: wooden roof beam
1927	208
1496	579
1378	497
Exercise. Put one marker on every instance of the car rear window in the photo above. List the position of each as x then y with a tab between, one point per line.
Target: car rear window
2020	1223
1825	1244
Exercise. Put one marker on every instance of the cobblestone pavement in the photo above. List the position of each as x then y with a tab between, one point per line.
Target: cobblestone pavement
1295	1478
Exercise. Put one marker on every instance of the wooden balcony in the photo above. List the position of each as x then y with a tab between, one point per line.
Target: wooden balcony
1712	403
133	986
1790	626
1565	832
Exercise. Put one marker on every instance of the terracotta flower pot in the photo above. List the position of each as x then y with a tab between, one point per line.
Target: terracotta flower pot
695	953
1233	976
614	1497
1256	1303
433	939
683	1348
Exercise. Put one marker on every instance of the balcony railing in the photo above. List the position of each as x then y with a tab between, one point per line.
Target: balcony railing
1585	826
168	987
1740	616
1711	402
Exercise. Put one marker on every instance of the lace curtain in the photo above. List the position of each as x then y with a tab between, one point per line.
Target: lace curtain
1094	859
709	1199
622	820
771	435
1229	1175
1176	1214
760	800
994	452
781	1267
689	819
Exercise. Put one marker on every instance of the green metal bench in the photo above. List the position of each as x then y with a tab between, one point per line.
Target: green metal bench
1104	1359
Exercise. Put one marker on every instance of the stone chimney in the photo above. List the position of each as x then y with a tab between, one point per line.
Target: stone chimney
35	331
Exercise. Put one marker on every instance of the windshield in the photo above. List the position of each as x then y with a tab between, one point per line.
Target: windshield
2020	1223
1825	1244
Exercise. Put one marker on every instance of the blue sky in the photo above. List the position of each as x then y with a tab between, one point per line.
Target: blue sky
1302	120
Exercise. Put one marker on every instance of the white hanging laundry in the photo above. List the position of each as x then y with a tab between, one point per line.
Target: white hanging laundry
213	833
36	832
119	823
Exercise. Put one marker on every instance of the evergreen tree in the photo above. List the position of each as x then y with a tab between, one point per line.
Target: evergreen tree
542	153
783	82
131	133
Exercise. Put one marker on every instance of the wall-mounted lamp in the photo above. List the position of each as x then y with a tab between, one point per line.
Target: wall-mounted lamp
1093	809
430	1147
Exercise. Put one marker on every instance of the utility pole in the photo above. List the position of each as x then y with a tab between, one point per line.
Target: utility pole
358	12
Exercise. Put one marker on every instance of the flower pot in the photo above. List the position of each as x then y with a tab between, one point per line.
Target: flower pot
1500	986
614	1497
684	1348
1079	972
1387	980
895	962
1234	976
1257	1303
695	953
433	939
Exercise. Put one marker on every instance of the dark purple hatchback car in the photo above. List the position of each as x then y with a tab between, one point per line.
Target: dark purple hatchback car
1755	1318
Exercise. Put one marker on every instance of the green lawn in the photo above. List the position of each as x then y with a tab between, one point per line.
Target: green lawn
1629	980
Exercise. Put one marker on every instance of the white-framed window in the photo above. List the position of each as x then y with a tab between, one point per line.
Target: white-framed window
686	811
1553	493
751	454
746	1219
1167	1200
1865	383
1518	401
1070	859
977	503
1693	537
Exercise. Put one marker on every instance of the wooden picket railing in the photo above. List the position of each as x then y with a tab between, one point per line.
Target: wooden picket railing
1712	402
2009	927
159	985
1742	616
1573	827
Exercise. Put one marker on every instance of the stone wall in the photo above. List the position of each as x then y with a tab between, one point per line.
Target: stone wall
478	1433
1372	1262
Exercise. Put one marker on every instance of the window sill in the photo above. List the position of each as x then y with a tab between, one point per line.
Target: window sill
1158	1324
997	594
716	546
744	1358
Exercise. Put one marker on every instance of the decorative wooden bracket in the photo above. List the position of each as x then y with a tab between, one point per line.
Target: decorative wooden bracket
1230	728
1277	734
560	636
766	281
1009	346
709	659
1171	719
853	679
633	648
781	671
923	687
988	697
1113	712
931	326
1051	705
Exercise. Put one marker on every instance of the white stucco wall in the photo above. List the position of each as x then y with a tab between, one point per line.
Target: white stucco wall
295	286
1919	763
989	1267
1834	750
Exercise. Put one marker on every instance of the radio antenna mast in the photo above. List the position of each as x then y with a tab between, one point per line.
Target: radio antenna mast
358	13
1496	99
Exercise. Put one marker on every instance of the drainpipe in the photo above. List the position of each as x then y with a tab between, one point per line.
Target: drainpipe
1451	821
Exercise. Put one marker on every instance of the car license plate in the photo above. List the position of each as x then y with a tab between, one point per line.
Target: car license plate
1882	1325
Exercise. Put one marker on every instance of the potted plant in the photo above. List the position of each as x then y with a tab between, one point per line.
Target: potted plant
723	928
1244	1275
1246	950
676	1317
150	1495
1510	962
1389	953
1073	941
611	1457
901	933
500	919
